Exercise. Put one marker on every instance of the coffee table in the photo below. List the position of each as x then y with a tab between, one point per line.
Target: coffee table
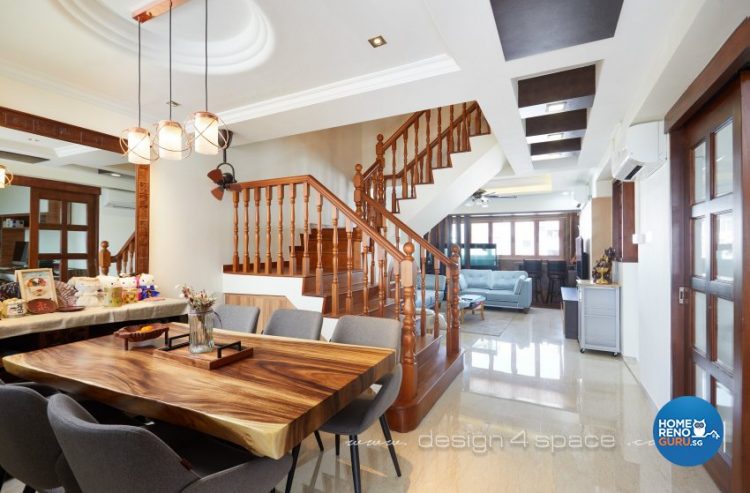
471	302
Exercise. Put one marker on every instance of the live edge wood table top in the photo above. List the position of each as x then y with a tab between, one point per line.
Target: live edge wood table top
267	403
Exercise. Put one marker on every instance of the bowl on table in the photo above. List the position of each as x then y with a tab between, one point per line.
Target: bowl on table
141	335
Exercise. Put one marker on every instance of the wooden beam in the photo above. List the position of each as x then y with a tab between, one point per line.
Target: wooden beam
566	121
155	9
552	146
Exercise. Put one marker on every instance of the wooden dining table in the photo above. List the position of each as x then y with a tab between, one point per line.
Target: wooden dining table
267	403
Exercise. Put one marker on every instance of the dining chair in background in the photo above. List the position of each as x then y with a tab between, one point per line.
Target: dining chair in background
237	317
298	324
123	459
534	269
360	414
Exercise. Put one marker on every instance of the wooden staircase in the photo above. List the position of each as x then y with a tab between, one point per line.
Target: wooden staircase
366	261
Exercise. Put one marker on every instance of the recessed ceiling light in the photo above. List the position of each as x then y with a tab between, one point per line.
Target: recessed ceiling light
557	136
555	107
377	41
173	103
116	175
33	139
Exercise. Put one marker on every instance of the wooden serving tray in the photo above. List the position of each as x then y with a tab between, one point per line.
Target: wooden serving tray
222	355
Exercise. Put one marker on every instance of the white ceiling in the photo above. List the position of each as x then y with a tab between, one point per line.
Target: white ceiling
281	67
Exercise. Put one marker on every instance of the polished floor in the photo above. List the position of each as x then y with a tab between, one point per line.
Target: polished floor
529	414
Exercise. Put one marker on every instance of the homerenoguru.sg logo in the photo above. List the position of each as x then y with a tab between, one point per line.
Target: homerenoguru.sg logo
688	431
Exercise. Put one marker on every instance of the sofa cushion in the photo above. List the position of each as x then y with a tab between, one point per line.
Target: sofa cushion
477	278
505	279
429	297
480	291
429	282
502	295
462	284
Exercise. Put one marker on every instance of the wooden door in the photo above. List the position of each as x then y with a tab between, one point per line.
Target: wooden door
708	237
64	232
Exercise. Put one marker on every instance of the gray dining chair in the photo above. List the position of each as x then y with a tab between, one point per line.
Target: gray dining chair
29	450
360	414
298	324
237	317
119	458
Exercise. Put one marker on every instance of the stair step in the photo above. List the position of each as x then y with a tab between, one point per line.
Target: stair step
426	348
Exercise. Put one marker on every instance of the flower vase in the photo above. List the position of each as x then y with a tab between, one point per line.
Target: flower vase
201	331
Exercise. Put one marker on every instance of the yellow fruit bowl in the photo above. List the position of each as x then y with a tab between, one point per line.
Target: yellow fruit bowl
134	334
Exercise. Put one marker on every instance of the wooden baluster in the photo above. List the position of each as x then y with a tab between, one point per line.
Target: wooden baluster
477	120
349	266
440	138
236	236
394	201
406	161
319	266
422	277
382	278
465	140
380	159
438	295
306	237
450	134
246	238
428	171
366	291
397	286
416	155
268	229
398	237
118	262
256	259
453	335
292	242
414	178
373	278
408	389
280	232
335	261
358	189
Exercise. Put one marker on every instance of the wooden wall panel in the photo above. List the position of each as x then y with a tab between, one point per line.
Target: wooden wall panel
267	304
142	208
601	227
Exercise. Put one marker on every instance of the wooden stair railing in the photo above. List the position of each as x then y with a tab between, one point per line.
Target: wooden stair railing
253	240
125	257
393	227
409	156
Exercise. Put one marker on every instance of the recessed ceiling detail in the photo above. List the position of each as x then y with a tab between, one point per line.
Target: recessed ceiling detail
555	111
530	27
244	41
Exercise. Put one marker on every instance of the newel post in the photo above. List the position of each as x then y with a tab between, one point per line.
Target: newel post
358	189
452	344
408	361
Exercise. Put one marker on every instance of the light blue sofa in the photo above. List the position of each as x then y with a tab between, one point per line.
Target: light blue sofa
429	290
502	288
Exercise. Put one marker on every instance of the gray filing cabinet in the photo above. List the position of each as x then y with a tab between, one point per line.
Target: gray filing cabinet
599	317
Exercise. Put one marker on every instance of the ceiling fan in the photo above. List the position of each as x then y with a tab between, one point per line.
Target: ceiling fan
482	198
222	179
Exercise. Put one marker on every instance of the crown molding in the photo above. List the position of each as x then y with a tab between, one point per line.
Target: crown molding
394	76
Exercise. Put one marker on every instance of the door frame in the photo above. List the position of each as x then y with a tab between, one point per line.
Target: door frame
724	67
26	122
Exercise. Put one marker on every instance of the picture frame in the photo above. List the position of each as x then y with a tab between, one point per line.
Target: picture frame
36	284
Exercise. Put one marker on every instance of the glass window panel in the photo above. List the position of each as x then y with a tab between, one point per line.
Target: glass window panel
699	320
50	211
480	232
77	242
723	160
725	405
699	173
78	268
725	332
524	238
549	238
501	237
49	241
454	236
77	213
701	384
724	252
699	249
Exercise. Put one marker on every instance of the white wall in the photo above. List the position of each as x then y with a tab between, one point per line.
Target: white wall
15	200
191	232
115	224
653	218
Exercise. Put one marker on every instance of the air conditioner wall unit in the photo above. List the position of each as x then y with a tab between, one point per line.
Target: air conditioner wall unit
645	151
118	199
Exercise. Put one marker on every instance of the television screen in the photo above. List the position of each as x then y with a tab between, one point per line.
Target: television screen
21	252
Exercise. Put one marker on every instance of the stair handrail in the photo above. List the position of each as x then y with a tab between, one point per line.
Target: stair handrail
394	136
125	256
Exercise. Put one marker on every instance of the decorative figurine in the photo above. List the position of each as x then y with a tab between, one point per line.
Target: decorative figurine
602	271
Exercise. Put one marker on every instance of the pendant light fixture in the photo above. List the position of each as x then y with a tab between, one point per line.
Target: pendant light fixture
207	139
170	135
136	142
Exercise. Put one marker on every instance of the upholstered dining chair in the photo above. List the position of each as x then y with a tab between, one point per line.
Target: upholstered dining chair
360	414
29	450
237	317
298	324
119	458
